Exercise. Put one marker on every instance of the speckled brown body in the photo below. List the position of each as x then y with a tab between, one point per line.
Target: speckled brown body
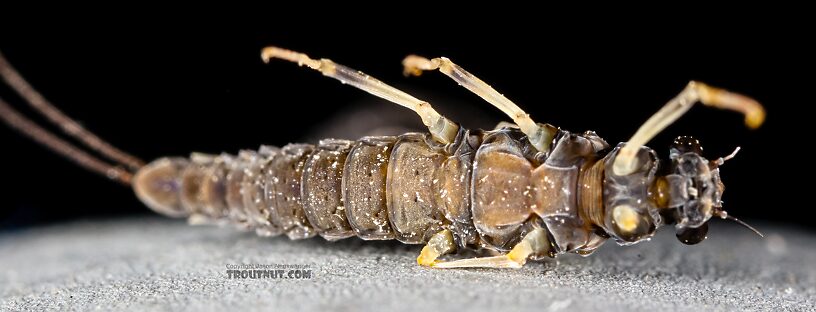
489	188
527	191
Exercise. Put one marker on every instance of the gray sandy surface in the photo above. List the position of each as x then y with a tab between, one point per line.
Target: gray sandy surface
156	264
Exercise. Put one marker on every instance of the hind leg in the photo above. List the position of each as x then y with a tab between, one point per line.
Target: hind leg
440	127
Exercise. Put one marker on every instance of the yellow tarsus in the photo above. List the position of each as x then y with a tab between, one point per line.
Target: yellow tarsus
427	257
439	244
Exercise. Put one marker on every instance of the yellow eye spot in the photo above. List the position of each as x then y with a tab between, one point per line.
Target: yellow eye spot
625	217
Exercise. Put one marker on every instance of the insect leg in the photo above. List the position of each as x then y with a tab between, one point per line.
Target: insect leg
535	242
694	92
539	135
439	244
440	127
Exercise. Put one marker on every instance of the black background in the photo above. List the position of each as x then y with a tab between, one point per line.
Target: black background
158	86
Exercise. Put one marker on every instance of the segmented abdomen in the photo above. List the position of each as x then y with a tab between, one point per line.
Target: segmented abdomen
375	188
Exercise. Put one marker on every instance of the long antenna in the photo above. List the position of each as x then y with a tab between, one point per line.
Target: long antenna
72	128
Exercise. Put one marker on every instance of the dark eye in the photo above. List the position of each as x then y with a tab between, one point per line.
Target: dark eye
692	236
686	144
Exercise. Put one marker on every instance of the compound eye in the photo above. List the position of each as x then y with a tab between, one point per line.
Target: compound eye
692	236
686	144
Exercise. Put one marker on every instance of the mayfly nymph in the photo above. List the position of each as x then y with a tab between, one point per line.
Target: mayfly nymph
524	190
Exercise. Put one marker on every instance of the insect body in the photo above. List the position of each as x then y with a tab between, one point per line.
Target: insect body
526	191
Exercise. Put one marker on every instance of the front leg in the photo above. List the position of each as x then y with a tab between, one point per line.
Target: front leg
694	92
